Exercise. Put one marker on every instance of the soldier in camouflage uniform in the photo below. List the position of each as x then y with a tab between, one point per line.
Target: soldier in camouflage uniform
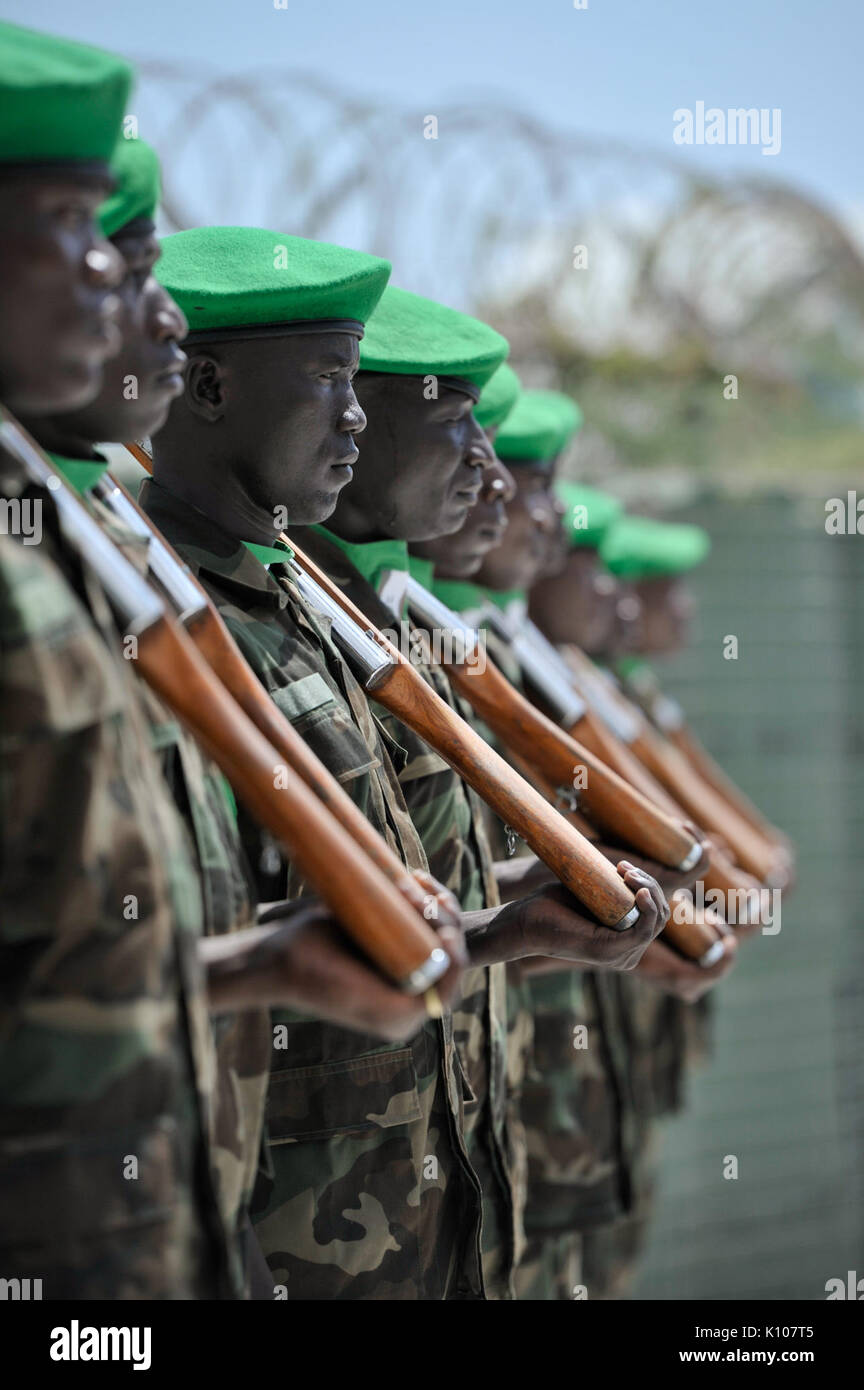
370	1192
424	461
445	811
498	490
104	1051
549	1070
446	816
152	328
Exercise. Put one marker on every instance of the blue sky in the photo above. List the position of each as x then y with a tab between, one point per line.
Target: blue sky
618	68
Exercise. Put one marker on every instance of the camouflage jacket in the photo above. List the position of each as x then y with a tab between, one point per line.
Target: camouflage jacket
371	1193
106	1062
574	1088
449	818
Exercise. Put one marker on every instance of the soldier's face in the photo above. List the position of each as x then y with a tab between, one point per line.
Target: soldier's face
460	554
531	521
578	605
667	611
557	545
140	383
422	461
288	416
57	275
626	636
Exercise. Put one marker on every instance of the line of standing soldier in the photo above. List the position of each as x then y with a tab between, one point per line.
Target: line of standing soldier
205	1092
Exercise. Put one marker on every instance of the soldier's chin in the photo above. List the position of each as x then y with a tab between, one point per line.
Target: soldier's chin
144	420
313	509
65	385
464	566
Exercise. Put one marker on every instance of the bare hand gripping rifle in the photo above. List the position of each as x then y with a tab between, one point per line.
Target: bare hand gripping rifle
382	922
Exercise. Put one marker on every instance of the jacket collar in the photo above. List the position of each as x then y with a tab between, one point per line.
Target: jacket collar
210	548
372	559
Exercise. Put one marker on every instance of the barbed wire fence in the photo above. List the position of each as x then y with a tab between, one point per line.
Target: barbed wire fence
577	248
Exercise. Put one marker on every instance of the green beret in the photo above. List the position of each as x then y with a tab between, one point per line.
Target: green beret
135	166
637	547
538	427
589	514
232	278
497	398
59	101
412	336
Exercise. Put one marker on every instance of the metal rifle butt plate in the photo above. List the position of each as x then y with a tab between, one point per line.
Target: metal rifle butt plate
135	604
421	979
628	920
545	668
174	576
465	639
714	953
691	858
376	676
373	661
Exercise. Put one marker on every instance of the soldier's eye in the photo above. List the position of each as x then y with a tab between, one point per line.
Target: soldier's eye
73	217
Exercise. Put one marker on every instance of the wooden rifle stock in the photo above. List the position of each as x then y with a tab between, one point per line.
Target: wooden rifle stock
666	715
710	772
689	930
720	875
574	861
381	922
591	731
695	798
669	765
606	799
403	691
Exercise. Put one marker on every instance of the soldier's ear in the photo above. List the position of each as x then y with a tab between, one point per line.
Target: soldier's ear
205	388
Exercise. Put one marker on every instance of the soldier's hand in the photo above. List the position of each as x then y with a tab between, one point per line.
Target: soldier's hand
303	960
686	979
554	924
